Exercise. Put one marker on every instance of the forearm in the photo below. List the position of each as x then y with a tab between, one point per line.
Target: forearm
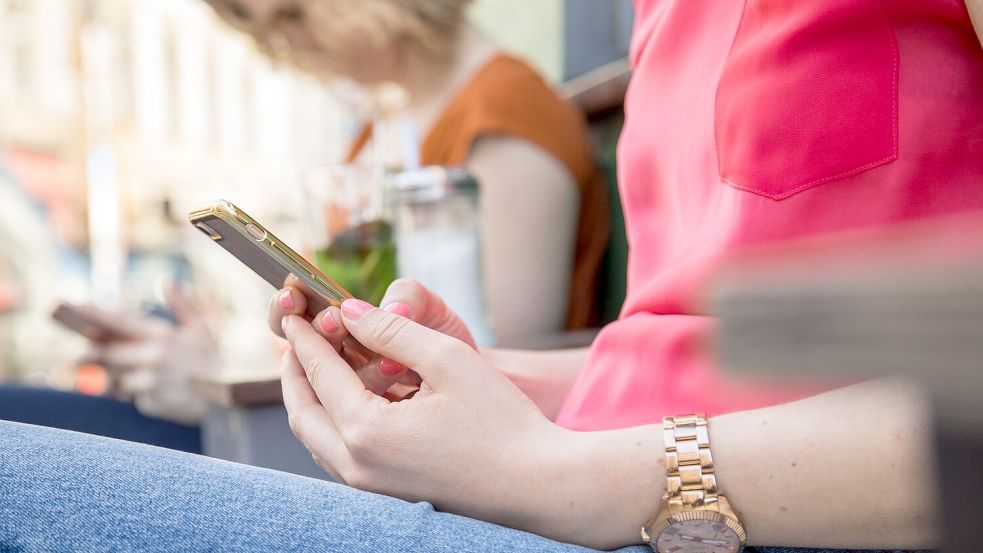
849	468
545	376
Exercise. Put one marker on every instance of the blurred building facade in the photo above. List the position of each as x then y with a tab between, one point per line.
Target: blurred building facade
117	117
185	103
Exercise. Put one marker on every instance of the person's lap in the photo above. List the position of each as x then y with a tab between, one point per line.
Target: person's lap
101	416
67	491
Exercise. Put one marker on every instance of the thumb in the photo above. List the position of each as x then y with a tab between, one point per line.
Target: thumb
427	308
430	353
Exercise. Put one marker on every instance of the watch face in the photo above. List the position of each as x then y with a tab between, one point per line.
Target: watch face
698	536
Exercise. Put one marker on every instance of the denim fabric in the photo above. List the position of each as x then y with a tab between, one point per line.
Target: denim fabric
93	415
795	550
64	491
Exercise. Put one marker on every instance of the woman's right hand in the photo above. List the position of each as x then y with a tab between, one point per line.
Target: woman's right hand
156	364
405	297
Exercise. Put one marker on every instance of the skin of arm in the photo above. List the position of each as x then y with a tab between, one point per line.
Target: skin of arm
529	207
546	377
975	8
849	468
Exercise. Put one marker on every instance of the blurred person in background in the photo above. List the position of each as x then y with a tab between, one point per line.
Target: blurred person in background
28	270
541	451
543	203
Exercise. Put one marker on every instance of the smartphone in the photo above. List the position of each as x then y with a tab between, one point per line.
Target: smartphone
91	322
246	239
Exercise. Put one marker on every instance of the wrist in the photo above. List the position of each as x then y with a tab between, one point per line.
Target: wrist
545	377
601	486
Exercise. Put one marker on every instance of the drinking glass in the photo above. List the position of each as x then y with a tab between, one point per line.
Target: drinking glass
438	232
349	230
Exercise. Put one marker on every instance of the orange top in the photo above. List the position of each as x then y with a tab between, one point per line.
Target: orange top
509	97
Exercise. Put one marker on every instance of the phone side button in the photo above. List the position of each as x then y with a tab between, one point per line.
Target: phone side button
257	233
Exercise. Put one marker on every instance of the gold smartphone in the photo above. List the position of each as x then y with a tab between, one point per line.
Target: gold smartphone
246	239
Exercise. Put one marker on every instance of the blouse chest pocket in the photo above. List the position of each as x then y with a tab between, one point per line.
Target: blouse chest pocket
809	95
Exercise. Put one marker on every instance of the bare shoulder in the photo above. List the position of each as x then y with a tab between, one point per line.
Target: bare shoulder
516	159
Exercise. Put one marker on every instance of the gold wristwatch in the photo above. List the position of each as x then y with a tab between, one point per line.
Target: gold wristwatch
695	517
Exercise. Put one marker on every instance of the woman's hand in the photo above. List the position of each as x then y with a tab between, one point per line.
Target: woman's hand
469	441
434	442
545	376
154	368
404	297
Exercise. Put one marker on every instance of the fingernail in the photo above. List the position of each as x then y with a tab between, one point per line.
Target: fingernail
284	323
388	367
328	324
354	309
398	308
286	302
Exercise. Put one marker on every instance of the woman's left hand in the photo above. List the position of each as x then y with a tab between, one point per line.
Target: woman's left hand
469	441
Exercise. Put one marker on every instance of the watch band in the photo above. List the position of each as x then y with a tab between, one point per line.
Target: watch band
689	466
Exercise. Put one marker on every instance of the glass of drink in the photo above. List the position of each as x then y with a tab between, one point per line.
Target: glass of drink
438	234
349	230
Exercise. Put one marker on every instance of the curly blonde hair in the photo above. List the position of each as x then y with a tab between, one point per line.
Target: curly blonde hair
432	25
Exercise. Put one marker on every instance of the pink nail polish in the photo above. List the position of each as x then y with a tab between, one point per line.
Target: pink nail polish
286	302
328	324
398	308
284	323
388	367
354	309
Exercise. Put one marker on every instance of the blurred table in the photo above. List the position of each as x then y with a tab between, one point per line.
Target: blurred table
247	423
231	389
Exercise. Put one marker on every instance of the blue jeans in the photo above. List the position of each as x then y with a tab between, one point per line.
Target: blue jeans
64	491
102	416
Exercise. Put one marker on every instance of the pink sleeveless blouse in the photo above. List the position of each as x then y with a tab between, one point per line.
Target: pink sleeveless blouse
760	121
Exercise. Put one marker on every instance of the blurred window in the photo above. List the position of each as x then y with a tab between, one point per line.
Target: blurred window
16	15
126	82
172	76
211	96
23	67
249	113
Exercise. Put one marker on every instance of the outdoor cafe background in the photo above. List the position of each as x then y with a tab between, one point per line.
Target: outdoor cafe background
118	116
